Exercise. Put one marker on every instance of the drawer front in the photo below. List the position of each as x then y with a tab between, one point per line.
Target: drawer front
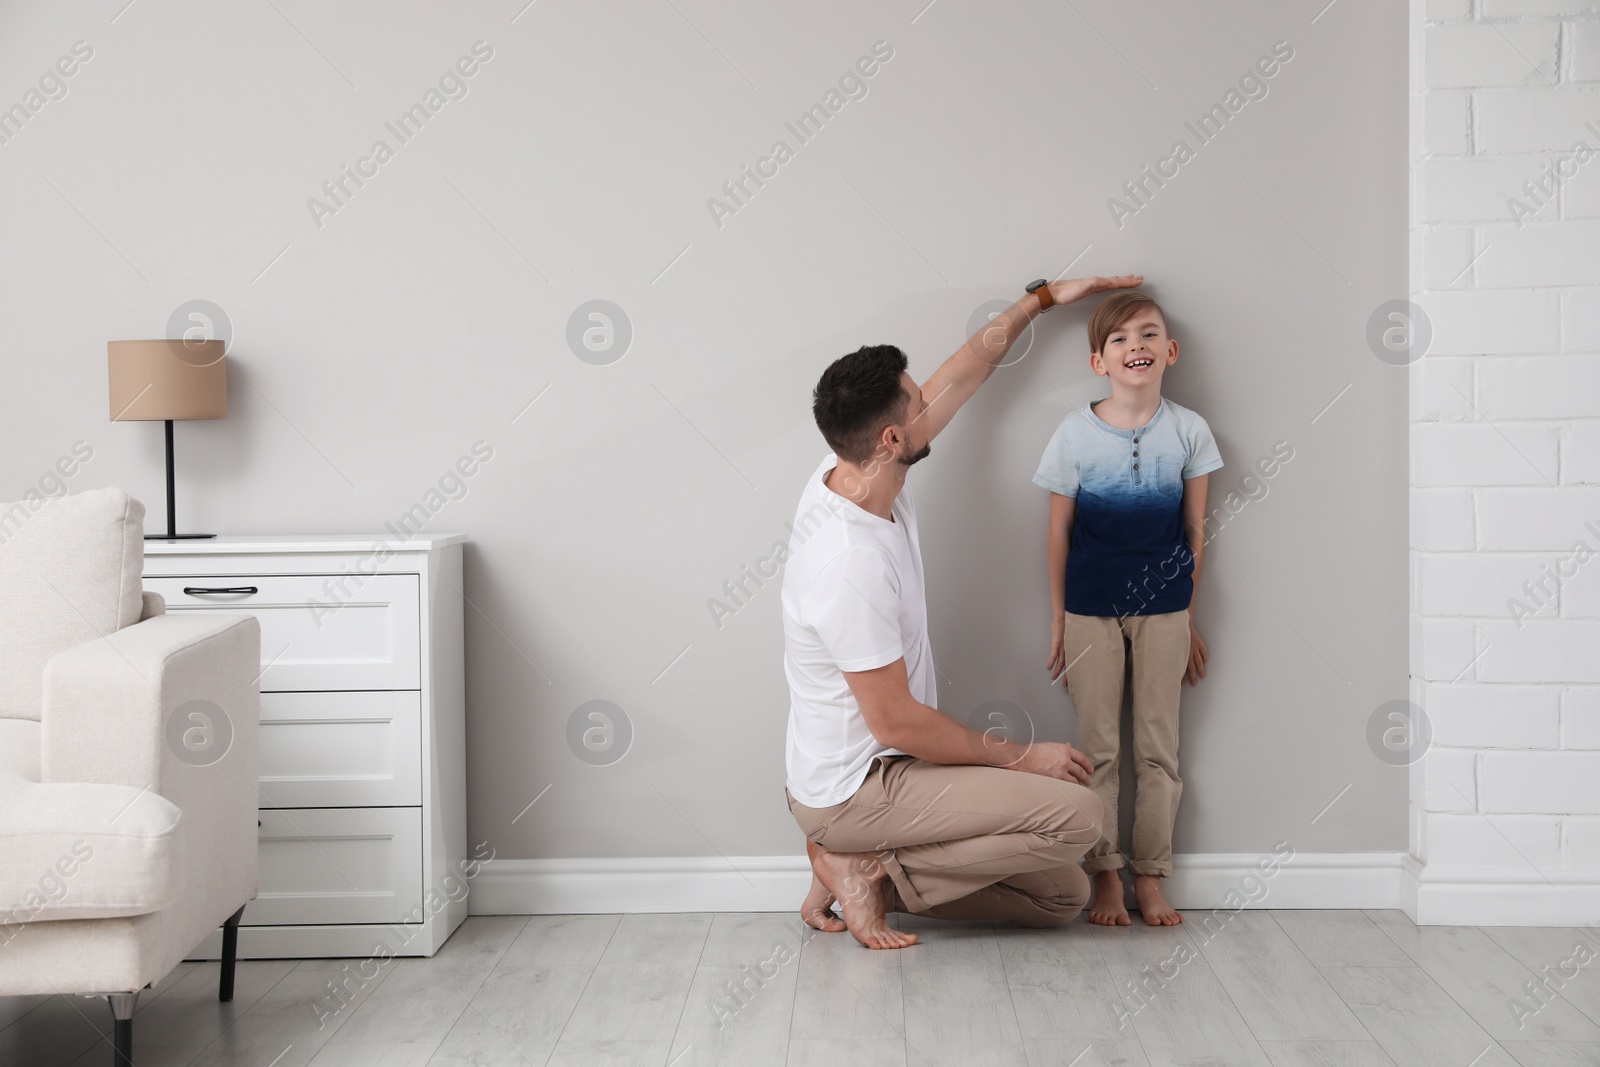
316	635
331	750
325	866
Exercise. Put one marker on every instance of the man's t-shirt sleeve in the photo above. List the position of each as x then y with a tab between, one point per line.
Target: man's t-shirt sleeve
1203	455
854	606
1058	467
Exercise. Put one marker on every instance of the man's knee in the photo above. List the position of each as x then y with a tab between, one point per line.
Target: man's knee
1069	812
1062	901
1079	805
1079	810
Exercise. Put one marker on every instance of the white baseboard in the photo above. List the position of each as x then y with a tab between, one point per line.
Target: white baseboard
778	883
1434	895
1330	880
675	883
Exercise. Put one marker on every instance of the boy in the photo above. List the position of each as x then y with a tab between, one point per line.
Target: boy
1127	480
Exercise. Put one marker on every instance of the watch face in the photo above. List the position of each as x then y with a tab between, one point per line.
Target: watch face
1036	285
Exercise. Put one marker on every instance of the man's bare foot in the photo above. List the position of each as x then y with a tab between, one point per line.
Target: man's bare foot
1153	903
856	880
817	909
1107	908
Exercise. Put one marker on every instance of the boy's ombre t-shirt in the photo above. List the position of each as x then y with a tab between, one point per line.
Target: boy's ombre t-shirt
1129	554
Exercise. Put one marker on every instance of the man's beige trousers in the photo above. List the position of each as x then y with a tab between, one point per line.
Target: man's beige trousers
967	842
1098	652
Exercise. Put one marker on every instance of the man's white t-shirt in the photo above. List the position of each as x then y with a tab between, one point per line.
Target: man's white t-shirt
852	601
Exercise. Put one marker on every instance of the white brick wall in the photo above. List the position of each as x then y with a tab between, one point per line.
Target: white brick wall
1505	452
1512	520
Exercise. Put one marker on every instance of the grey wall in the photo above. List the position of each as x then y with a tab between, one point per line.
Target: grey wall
371	351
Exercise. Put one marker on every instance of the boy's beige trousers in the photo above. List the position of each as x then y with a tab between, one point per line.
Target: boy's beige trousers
1098	651
967	842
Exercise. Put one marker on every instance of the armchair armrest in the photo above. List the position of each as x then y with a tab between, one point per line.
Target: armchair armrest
171	704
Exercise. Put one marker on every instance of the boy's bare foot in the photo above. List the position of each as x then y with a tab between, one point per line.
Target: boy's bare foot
817	909
1153	903
856	880
1107	908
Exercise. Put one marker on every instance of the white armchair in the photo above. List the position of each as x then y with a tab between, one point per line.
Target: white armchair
127	762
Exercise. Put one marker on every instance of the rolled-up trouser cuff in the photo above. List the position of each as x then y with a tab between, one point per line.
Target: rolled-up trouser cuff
909	897
1153	868
1096	864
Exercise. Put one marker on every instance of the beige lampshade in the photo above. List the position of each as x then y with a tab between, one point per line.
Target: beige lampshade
168	379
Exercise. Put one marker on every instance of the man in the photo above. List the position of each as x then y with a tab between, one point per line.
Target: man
903	808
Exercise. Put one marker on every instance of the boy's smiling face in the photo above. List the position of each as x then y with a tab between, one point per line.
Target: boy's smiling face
1137	352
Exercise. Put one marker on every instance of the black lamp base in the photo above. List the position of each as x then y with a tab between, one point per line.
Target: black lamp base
172	509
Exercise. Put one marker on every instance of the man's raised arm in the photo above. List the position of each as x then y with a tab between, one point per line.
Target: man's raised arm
958	377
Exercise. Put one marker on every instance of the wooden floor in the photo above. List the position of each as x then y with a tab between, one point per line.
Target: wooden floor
1290	987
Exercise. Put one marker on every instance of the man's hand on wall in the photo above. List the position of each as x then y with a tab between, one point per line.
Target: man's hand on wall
1066	292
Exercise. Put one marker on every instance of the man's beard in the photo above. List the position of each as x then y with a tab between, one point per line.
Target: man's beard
917	456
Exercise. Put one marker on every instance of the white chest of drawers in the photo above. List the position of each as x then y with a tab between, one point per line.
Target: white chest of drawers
363	831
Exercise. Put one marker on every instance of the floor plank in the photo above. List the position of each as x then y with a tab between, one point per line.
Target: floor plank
1415	1021
189	1013
291	1022
1547	952
1282	989
561	941
630	1002
847	992
1554	1053
1327	1054
855	1051
1098	1053
1341	939
1178	1007
608	1054
639	988
958	1008
1060	988
1488	982
1277	990
516	1016
417	1001
57	1031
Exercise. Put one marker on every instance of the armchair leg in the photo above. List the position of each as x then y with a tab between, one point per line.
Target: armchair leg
230	954
122	1034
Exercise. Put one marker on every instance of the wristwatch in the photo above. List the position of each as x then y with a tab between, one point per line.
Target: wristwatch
1042	289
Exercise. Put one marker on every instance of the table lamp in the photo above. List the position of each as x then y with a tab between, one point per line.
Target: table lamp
163	381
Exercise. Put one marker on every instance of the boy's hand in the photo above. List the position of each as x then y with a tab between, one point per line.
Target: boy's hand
1058	656
1197	656
1078	288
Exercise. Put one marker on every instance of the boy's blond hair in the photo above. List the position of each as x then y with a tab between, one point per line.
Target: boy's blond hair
1115	310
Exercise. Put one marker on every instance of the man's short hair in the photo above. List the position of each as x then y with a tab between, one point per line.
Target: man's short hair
857	396
1115	310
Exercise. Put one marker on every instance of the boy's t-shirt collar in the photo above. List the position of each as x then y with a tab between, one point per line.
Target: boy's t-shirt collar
1100	424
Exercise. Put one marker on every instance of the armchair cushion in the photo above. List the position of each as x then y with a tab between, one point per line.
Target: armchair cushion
69	573
80	851
19	748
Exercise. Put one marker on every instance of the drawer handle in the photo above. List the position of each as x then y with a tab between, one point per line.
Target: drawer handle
200	590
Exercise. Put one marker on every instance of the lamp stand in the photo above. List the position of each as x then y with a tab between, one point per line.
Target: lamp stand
172	507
